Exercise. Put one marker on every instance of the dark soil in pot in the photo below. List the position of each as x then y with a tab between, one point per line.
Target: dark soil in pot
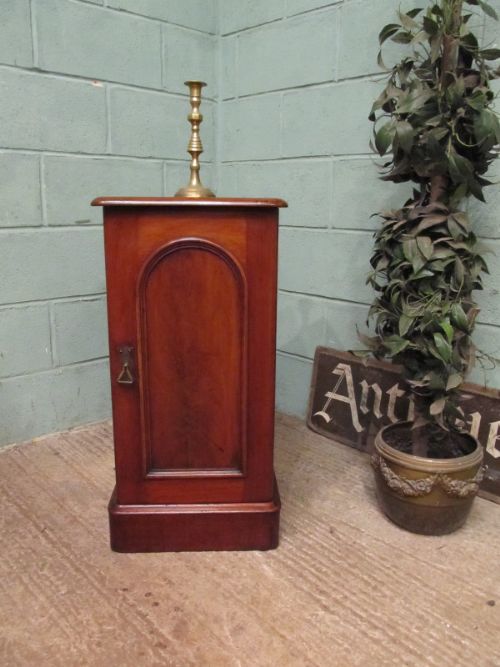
429	441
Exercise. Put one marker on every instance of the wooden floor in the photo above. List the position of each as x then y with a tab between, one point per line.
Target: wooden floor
344	588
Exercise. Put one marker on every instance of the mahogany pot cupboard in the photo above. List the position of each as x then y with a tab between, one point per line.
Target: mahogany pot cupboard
191	288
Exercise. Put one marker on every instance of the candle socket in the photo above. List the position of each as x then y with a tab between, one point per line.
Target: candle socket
195	189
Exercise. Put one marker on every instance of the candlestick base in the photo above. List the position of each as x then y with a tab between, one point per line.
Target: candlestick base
195	192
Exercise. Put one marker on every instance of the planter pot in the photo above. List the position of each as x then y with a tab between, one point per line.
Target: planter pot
423	495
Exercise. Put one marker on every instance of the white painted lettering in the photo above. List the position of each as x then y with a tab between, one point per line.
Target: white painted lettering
394	393
343	371
493	436
363	405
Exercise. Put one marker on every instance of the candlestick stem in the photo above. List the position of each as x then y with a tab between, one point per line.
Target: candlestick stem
195	188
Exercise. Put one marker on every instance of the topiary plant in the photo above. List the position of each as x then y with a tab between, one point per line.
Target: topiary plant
435	120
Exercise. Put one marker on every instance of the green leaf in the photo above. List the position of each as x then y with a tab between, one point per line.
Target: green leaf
490	54
476	189
459	271
439	133
383	137
402	37
488	9
405	322
425	246
455	230
454	381
443	347
459	318
412	254
395	344
436	381
387	31
458	194
413	101
430	26
382	65
437	406
428	222
407	21
461	170
422	273
461	219
486	126
448	329
405	134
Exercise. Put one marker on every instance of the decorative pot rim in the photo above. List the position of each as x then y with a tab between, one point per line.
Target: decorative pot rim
422	463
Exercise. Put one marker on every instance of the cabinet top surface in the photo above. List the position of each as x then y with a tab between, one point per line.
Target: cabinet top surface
185	201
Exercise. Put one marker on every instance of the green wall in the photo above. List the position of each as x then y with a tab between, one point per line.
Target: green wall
92	102
297	82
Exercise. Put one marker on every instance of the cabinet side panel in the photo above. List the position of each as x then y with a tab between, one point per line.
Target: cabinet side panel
192	300
262	246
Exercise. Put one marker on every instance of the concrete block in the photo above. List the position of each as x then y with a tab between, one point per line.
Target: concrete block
70	184
15	33
20	179
80	330
298	6
228	181
308	122
487	340
325	263
42	112
188	55
234	16
228	63
269	58
363	21
293	379
304	184
53	400
342	321
301	324
24	339
489	298
148	124
358	192
50	263
250	128
80	39
484	217
197	14
328	120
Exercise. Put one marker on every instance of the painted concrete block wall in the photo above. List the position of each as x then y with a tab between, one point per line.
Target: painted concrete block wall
297	80
92	103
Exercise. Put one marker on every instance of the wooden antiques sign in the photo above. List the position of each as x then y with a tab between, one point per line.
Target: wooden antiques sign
351	399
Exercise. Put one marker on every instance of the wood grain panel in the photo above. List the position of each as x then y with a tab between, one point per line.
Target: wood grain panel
192	301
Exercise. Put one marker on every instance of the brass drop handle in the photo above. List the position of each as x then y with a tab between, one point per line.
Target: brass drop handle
126	375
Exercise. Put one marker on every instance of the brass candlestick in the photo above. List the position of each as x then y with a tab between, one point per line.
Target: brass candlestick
195	188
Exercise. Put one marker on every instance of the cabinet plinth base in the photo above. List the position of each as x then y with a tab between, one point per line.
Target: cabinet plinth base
196	527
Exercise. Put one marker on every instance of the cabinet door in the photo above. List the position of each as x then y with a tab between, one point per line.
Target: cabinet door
192	294
193	324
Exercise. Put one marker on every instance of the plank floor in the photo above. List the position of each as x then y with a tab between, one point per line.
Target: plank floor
345	588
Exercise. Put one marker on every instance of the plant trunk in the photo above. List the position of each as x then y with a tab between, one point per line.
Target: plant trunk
418	438
449	63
